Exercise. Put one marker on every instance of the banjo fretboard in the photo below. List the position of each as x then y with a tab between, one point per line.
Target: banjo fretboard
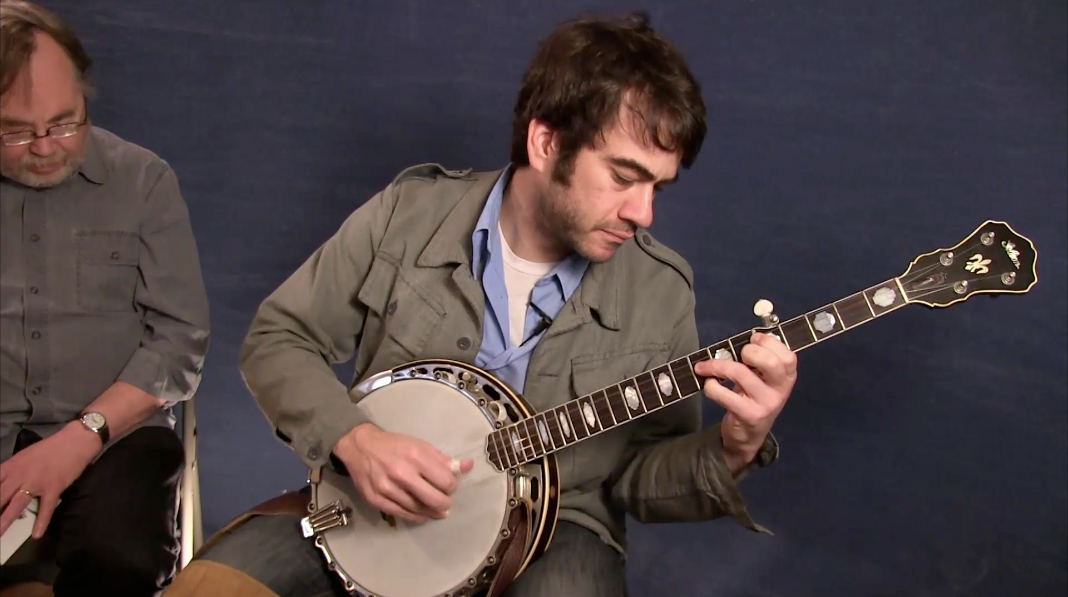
652	390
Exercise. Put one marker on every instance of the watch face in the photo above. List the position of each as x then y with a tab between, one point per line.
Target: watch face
94	420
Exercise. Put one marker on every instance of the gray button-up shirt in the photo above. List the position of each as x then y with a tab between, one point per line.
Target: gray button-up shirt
100	281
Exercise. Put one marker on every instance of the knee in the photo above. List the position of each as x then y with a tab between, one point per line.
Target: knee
268	549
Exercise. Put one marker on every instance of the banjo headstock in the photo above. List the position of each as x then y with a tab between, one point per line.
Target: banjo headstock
994	259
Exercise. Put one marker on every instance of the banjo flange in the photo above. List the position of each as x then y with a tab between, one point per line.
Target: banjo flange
529	485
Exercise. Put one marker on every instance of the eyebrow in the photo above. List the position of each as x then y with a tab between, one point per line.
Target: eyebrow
65	114
637	168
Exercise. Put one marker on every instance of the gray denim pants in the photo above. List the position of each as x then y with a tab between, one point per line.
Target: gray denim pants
271	550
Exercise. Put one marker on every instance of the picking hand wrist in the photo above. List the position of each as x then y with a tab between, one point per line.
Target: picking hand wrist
354	439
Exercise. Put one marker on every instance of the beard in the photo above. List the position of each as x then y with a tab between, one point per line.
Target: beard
68	165
560	218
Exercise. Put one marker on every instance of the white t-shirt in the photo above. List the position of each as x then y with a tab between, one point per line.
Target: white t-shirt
520	276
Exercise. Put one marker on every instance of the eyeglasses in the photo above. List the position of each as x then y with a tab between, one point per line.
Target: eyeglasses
58	131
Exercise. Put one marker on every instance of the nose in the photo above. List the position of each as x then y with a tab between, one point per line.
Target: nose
638	208
43	146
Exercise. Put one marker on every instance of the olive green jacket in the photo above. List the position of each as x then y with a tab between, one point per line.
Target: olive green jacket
394	284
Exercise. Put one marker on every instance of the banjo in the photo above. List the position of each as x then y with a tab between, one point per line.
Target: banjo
505	509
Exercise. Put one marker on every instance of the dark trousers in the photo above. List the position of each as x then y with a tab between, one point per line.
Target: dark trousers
113	532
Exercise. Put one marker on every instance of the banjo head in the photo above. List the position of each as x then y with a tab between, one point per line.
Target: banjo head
445	405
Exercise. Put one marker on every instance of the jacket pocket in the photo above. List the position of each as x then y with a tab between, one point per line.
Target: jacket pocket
595	458
401	318
106	269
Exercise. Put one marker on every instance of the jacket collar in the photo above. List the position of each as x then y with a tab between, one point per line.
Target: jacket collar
601	287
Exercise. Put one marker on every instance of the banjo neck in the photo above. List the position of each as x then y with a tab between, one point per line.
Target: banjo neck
667	384
994	259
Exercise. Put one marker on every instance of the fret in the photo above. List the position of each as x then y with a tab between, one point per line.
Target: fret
604	409
824	322
631	398
533	438
589	414
510	457
684	376
736	344
578	425
867	302
555	431
798	333
665	384
647	390
619	408
854	310
525	451
884	297
542	423
701	355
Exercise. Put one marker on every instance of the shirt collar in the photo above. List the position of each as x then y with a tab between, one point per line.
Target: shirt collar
486	242
93	167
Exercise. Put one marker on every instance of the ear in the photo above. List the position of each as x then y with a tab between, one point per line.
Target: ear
541	145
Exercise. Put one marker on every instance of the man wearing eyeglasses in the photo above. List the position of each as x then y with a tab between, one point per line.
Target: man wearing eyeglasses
104	327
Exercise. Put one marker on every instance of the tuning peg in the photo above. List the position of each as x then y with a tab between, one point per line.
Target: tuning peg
766	312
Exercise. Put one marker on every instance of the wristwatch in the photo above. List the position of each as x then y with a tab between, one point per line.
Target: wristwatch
96	423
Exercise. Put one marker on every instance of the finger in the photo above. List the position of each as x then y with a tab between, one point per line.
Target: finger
380	502
388	506
412	510
434	455
46	505
7	490
461	466
787	356
14	508
441	478
432	500
768	364
743	407
740	374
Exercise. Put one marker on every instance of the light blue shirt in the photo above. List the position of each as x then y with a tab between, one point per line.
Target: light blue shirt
550	294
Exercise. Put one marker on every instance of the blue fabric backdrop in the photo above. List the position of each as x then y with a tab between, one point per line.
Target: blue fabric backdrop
923	455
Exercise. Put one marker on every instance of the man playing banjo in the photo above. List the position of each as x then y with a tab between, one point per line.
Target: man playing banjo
541	274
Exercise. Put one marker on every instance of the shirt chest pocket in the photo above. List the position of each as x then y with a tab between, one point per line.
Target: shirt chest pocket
107	269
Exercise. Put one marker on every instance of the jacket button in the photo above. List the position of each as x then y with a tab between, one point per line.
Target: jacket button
463	343
35	335
114	254
391	308
313	453
647	239
35	237
33	290
36	390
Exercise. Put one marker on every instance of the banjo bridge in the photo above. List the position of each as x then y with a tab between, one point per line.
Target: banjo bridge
329	517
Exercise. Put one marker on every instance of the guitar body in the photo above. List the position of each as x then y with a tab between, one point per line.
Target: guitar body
453	406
